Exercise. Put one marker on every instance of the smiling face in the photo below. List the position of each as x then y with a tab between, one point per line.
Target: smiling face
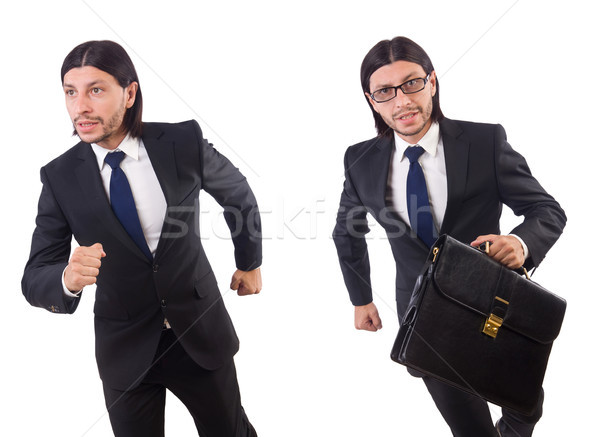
409	115
97	104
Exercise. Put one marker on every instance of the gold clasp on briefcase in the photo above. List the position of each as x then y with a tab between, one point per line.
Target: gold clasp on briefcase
492	325
494	322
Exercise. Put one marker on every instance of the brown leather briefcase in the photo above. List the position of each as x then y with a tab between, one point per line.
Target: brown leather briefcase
476	325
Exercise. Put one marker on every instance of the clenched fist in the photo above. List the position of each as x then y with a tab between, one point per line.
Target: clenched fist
83	267
246	283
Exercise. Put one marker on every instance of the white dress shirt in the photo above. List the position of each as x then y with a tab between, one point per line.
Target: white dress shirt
149	198
434	168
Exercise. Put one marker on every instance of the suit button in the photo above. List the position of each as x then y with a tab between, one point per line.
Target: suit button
163	303
155	268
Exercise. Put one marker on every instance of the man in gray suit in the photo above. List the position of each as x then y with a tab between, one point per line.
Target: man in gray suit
465	172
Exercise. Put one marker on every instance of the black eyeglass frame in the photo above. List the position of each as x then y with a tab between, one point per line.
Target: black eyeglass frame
395	88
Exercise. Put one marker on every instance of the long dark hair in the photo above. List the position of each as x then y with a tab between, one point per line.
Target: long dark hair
110	57
387	52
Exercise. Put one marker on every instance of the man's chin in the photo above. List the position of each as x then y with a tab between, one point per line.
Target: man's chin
411	132
91	139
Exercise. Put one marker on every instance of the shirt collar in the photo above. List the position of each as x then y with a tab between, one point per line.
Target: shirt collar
130	146
429	142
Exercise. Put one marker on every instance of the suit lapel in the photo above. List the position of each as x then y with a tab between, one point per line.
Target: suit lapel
88	175
380	167
162	157
456	154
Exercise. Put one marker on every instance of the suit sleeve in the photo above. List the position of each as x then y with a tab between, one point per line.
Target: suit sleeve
229	187
50	250
349	238
544	219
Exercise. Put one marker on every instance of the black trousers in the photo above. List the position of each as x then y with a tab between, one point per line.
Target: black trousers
469	416
212	397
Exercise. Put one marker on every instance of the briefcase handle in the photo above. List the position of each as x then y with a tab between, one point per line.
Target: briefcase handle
485	247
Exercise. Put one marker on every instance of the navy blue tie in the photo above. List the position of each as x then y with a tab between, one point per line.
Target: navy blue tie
417	200
123	205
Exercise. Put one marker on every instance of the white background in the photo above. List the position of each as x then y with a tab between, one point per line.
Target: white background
275	86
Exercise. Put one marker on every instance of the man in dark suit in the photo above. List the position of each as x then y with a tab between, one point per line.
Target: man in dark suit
128	193
464	172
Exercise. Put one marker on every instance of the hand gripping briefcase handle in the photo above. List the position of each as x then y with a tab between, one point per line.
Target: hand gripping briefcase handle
479	326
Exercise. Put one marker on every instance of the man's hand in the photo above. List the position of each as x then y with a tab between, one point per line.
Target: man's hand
83	267
505	249
246	282
366	317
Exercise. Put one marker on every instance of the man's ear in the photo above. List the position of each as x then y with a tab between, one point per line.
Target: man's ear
433	82
372	102
131	91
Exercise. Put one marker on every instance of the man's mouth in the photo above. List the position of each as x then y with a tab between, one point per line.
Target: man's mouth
86	125
407	116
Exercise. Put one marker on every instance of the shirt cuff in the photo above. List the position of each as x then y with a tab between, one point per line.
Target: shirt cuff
525	249
65	289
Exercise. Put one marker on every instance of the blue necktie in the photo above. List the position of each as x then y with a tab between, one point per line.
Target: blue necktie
122	202
417	200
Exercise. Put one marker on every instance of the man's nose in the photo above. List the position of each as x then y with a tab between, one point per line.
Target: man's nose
401	99
82	105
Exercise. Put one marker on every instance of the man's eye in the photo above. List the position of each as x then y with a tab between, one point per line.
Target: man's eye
413	83
70	92
96	90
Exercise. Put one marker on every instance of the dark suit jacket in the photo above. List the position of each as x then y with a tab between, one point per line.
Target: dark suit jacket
483	173
134	295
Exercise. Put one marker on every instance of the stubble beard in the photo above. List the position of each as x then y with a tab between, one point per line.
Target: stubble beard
425	114
108	129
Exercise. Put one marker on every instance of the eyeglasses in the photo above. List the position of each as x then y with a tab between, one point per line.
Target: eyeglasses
409	87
